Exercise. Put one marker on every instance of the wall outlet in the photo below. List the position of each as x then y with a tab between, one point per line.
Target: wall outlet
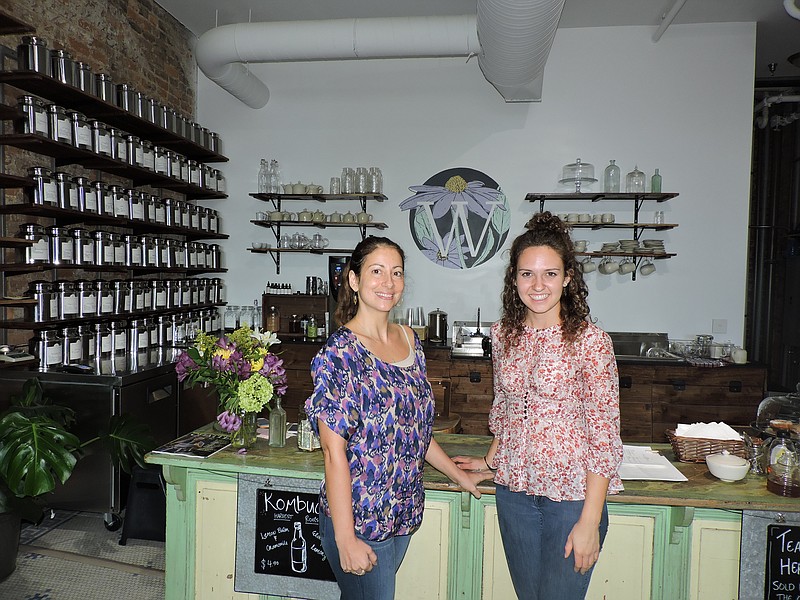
719	325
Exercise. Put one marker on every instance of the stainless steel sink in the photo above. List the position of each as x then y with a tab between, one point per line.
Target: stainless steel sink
637	346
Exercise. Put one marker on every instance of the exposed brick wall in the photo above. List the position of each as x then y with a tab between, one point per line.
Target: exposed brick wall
133	41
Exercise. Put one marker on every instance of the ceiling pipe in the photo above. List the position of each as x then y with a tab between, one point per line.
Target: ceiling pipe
763	107
515	40
791	8
668	18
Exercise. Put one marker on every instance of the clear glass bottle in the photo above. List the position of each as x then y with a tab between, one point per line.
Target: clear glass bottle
655	183
311	327
273	321
634	181
277	425
611	178
262	177
274	177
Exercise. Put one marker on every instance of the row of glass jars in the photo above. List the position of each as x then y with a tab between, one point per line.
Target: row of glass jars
74	128
63	300
135	340
60	190
77	246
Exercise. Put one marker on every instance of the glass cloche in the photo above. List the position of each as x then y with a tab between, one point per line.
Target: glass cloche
779	412
577	173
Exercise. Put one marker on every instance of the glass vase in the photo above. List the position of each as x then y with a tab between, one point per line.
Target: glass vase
245	436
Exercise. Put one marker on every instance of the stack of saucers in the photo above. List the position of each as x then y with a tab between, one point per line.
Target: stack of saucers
655	246
629	246
609	247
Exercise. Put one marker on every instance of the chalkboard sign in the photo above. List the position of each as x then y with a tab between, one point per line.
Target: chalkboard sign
782	573
278	549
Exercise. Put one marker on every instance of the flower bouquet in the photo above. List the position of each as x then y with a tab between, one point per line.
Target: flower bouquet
246	375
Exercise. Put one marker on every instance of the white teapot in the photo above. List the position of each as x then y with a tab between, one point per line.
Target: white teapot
305	216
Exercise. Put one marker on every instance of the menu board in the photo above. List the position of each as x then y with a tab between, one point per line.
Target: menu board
782	572
278	549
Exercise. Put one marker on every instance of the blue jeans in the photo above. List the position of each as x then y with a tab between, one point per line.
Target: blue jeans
534	531
377	584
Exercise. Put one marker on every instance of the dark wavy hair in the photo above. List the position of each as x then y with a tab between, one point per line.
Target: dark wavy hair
347	301
545	229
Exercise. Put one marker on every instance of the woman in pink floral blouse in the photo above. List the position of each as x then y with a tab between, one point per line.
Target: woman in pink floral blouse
555	419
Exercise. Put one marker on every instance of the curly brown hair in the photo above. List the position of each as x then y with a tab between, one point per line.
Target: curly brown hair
545	229
347	300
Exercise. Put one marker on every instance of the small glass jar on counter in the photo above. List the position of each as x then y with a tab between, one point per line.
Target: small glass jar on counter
81	130
67	300
61	246
45	192
82	246
101	139
39	251
35	120
307	440
59	126
66	193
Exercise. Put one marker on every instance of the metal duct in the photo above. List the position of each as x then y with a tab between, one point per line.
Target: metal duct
515	41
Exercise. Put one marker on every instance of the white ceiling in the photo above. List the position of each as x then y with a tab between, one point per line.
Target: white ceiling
778	34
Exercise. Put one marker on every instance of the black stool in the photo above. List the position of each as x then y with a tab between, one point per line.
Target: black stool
146	510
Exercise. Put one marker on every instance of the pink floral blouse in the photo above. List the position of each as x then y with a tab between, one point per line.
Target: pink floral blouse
555	412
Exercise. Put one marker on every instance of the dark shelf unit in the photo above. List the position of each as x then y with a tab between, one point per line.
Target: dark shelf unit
10	24
17	268
111	114
8	182
66	154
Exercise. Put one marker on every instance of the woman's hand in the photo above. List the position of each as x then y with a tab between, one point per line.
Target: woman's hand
356	556
584	542
471	463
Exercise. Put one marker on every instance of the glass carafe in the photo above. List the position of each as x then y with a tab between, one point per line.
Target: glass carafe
611	178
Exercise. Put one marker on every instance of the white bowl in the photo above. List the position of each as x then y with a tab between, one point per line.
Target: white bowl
727	467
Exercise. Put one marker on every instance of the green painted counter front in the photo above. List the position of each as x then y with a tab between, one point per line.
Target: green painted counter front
667	541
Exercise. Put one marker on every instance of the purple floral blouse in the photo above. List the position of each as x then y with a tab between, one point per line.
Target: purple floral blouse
385	412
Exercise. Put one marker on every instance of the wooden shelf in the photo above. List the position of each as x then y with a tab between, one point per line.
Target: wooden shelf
10	24
301	250
10	113
652	255
654	226
325	225
597	196
66	154
16	269
111	114
15	182
13	242
320	197
16	302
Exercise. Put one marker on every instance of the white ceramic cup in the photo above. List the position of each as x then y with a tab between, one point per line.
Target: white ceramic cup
580	245
607	218
627	267
585	218
588	266
597	218
647	269
739	356
573	217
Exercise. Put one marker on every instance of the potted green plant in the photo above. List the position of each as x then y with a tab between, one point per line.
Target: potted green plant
37	450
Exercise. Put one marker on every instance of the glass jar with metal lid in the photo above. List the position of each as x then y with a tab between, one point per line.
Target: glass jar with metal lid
35	115
59	126
66	194
103	248
118	245
44	188
48	346
101	138
119	144
67	300
102	198
83	192
62	66
61	246
158	295
105	297
195	174
104	88
82	246
126	96
194	216
148	156
81	134
135	206
32	55
135	150
46	307
119	337
87	298
133	250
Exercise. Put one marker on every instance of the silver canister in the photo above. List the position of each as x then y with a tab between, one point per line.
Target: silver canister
155	111
175	165
213	221
161	163
203	255
61	246
194	289
46	307
126	97
135	152
183	127
135	206
102	341
72	348
194	217
168	254
39	250
119	199
35	115
84	80
148	156
221	184
119	337
83	246
165	330
66	193
173	291
103	248
138	343
105	297
214	142
157	252
44	188
104	88
119	144
158	295
87	298
170	119
183	209
32	55
186	293
159	210
122	293
83	189
215	291
208	180
195	173
148	209
203	137
67	300
59	126
101	139
214	257
102	199
140	105
183	163
62	66
118	246
181	255
202	213
149	257
191	255
142	288
47	345
133	250
81	130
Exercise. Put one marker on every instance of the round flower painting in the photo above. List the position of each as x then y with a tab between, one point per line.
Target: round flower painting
459	218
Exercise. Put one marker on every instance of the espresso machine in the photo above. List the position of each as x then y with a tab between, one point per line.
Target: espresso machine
336	265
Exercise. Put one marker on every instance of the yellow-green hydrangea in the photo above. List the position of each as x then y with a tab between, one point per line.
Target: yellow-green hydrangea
255	393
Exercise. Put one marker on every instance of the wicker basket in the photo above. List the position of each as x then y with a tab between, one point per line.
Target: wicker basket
695	450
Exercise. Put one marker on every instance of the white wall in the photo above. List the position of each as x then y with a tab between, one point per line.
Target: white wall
683	105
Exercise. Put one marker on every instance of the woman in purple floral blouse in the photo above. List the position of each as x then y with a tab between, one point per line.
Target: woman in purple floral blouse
373	408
